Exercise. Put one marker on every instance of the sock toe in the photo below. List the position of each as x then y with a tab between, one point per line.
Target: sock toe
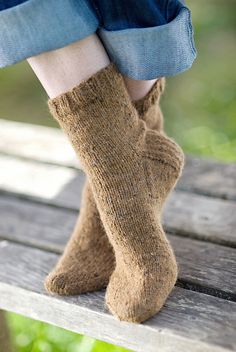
55	283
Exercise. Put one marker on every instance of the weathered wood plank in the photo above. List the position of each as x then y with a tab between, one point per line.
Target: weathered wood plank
189	321
24	140
185	213
203	266
201	217
36	225
209	177
36	142
44	182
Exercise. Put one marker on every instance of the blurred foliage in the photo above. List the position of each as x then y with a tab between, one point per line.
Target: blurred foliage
200	113
200	104
34	336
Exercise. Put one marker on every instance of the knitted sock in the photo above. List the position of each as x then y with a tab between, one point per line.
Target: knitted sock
149	108
88	259
131	170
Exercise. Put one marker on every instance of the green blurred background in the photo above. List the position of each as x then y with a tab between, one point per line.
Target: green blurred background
200	113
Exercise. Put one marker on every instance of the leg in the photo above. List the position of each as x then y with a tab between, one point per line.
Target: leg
62	69
63	84
88	258
138	89
131	170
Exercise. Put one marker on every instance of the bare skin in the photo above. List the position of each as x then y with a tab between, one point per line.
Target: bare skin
62	69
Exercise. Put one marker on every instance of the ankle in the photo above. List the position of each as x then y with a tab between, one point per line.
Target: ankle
138	89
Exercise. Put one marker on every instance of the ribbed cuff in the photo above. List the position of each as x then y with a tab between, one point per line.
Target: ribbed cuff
95	91
152	97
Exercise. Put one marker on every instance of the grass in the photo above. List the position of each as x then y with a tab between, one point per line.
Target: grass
34	336
199	108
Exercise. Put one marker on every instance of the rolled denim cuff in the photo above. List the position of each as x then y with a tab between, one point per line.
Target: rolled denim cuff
36	26
148	53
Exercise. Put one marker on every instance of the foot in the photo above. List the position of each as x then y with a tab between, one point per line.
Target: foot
88	259
145	276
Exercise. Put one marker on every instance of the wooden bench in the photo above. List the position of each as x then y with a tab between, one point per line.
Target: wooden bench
40	189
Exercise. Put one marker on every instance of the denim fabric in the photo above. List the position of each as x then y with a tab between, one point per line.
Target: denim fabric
124	14
34	26
6	4
146	38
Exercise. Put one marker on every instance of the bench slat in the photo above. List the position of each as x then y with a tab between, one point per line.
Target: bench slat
36	142
210	178
203	266
188	214
190	321
50	145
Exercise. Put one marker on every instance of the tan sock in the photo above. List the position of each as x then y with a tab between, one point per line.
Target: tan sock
149	108
88	259
131	171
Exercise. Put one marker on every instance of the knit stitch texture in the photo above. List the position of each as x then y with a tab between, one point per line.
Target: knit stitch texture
88	259
131	170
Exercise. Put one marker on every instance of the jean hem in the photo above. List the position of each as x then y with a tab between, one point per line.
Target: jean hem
148	53
48	28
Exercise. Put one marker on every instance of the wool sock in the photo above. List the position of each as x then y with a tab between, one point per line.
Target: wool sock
131	170
149	109
88	259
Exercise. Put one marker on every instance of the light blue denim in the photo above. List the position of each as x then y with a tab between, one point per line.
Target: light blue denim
154	41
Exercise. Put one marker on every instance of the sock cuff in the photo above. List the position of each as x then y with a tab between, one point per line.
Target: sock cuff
99	90
100	104
152	97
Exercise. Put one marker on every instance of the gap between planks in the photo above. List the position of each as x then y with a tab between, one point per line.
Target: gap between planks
189	321
49	228
185	214
203	176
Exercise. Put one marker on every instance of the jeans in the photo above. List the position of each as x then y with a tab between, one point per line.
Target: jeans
146	39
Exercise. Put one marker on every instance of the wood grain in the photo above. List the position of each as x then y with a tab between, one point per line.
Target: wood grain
185	213
189	321
209	177
201	217
203	266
